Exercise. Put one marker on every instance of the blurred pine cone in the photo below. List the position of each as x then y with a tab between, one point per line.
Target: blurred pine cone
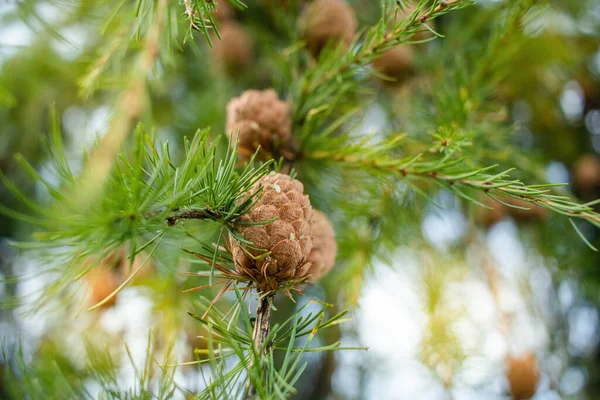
102	281
586	173
396	63
286	241
233	52
259	118
487	217
324	249
523	376
323	21
112	271
224	11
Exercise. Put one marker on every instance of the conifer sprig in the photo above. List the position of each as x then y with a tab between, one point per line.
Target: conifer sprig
146	193
455	174
229	335
337	73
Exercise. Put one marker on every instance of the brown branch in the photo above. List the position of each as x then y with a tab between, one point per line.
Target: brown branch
260	334
203	213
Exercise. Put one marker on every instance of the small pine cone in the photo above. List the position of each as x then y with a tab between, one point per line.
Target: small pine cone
233	51
324	250
287	240
523	376
327	20
586	173
397	63
259	118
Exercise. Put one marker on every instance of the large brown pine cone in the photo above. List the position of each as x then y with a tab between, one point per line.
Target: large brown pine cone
233	51
397	63
523	376
324	250
324	21
259	118
282	246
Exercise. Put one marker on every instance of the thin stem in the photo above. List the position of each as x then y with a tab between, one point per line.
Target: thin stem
203	213
260	334
129	109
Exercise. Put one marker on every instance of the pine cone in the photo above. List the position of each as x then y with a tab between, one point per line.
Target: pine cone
324	250
286	241
259	118
586	173
523	376
233	51
327	20
396	63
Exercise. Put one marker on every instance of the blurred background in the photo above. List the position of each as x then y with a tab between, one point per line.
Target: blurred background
454	301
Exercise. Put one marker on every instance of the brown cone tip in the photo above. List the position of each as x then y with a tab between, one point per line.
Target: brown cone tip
233	51
327	20
523	376
286	241
324	250
397	64
586	173
259	118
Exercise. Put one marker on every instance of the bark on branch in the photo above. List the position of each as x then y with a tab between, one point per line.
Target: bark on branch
260	334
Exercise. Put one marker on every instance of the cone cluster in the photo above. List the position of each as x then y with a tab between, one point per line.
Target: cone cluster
280	248
283	250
